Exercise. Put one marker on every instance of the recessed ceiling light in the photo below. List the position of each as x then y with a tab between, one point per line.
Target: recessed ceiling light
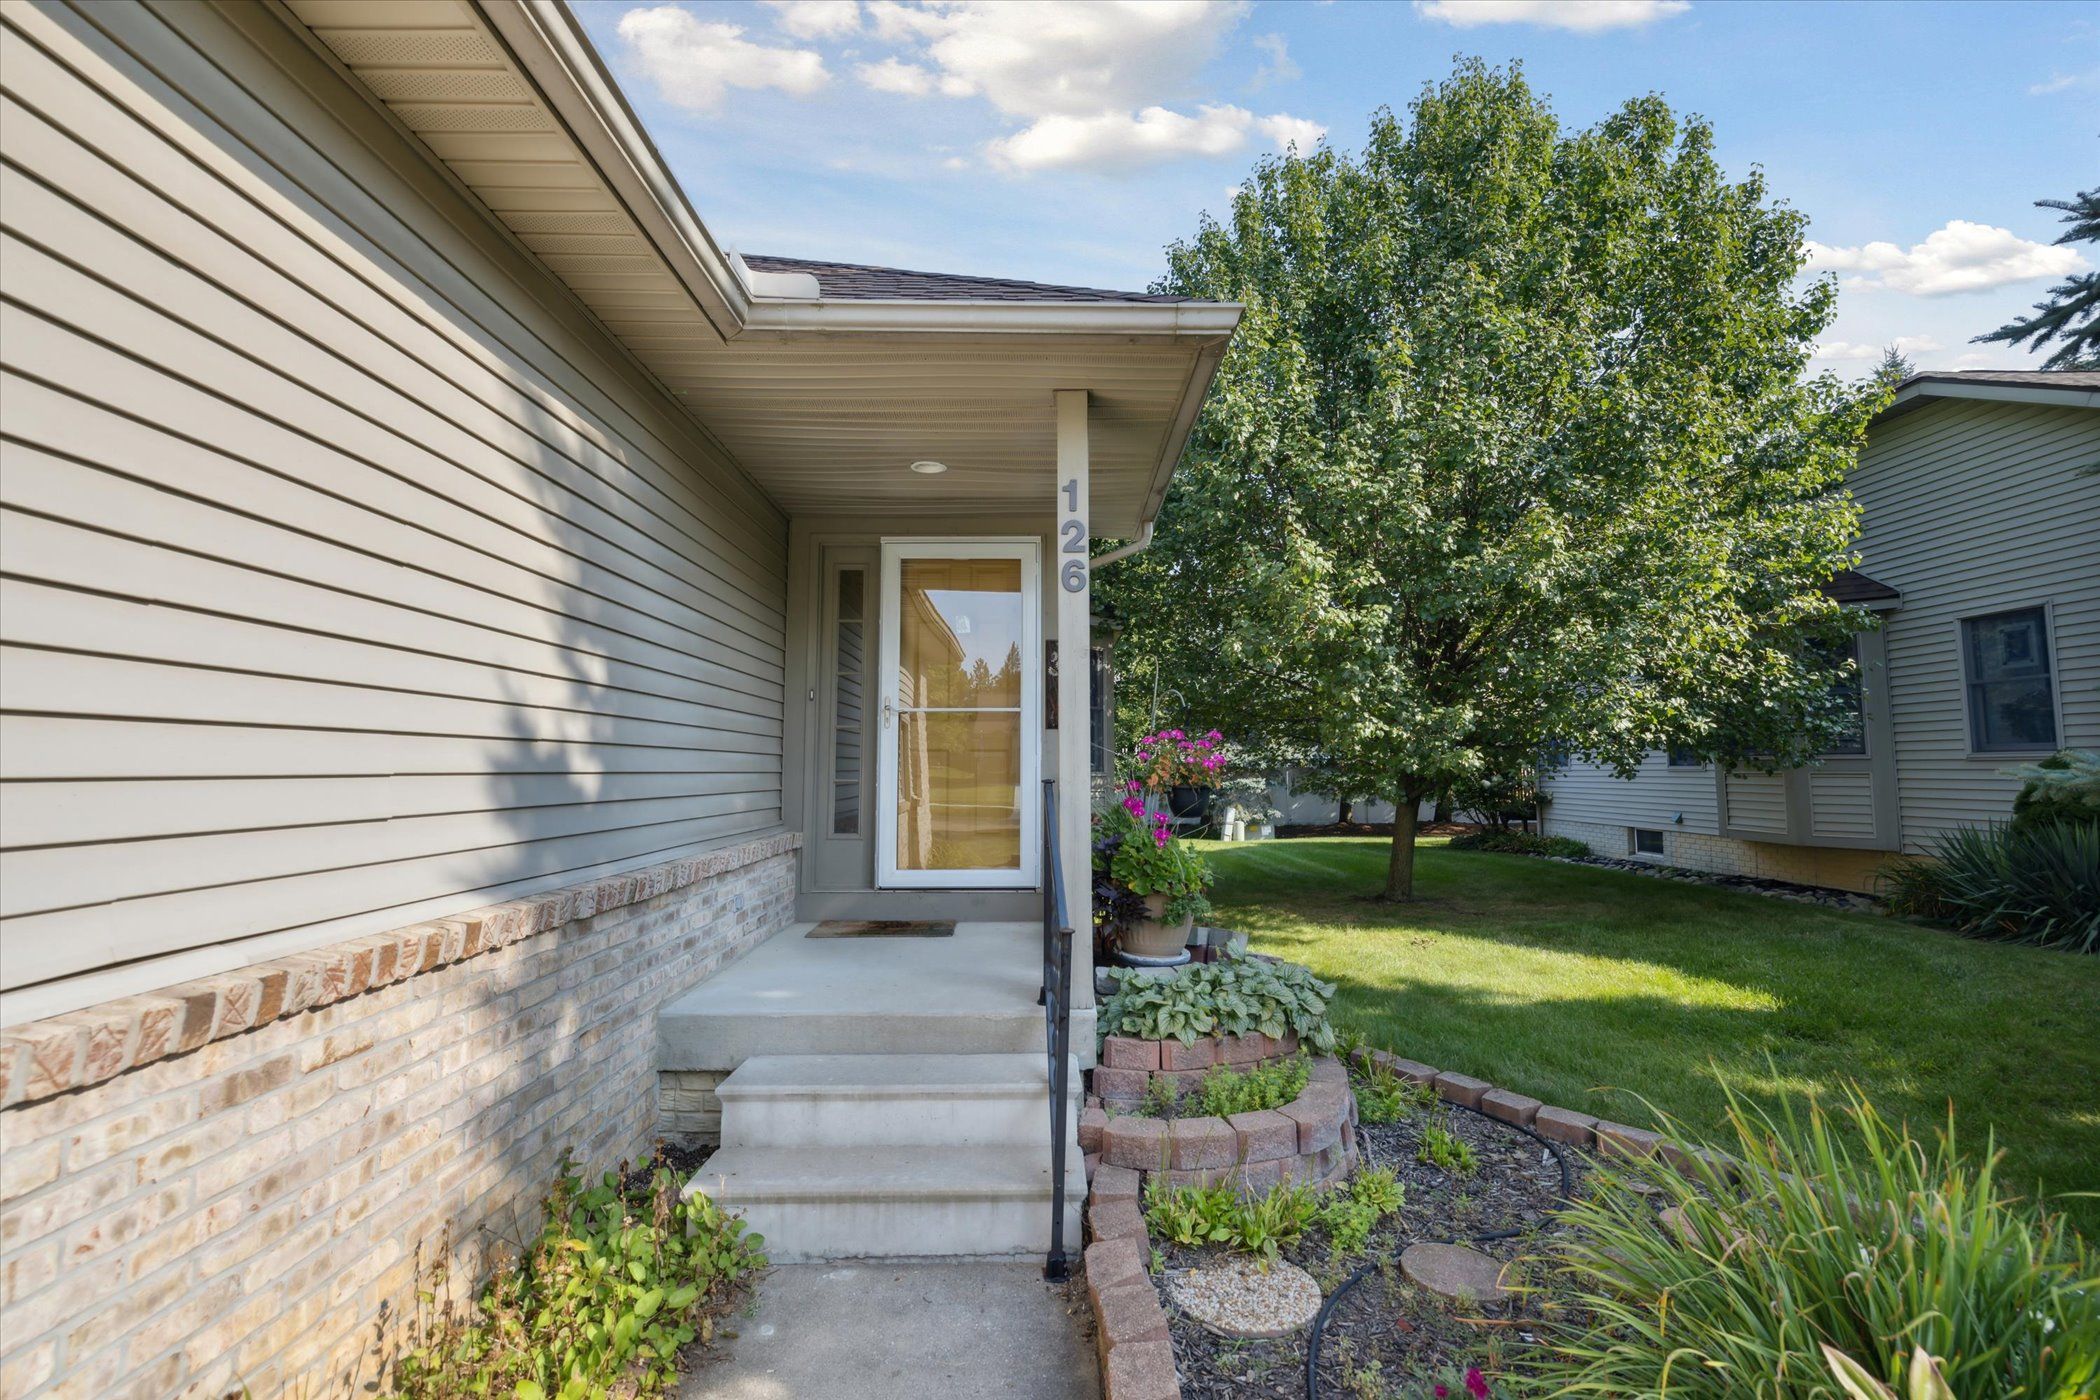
929	468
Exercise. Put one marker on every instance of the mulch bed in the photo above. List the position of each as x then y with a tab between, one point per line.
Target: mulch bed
1372	829
1387	1332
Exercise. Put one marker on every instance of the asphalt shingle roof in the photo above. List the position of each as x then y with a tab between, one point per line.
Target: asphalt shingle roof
1850	586
2025	378
858	282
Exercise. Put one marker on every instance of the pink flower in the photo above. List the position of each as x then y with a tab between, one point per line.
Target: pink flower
1214	736
1476	1384
1442	1390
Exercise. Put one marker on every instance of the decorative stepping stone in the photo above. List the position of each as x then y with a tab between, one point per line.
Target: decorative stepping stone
1455	1271
1237	1298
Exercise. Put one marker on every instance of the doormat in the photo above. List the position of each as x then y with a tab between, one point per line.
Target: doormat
881	928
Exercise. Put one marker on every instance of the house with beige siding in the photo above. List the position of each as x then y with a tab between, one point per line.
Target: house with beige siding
465	631
1980	562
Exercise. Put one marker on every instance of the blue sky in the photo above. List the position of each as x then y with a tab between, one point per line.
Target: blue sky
1070	142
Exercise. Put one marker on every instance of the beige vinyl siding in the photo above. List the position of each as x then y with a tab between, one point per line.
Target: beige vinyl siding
351	573
1975	507
1841	804
1757	803
1654	797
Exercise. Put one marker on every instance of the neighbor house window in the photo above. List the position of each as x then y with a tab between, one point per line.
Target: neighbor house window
1647	842
1849	697
2012	701
1685	758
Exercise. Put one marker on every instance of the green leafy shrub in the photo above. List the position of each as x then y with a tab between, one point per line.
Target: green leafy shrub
1848	1234
1383	1096
1349	1214
2064	787
1270	1084
617	1282
1223	998
1216	1215
1445	1150
2039	884
1519	843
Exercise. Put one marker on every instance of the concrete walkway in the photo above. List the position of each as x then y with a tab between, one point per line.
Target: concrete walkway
876	1331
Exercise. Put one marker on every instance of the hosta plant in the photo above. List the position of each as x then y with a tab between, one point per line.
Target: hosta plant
1239	997
1846	1233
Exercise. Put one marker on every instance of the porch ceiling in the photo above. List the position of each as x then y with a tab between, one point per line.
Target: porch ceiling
824	401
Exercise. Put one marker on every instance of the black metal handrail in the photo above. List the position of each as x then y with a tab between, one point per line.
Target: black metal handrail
1057	1026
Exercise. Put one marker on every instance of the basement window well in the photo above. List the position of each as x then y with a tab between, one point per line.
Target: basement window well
1644	841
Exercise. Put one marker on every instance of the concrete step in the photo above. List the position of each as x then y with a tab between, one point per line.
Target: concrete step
892	1202
705	1033
931	1100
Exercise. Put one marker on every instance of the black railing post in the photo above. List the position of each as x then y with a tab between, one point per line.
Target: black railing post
1056	1000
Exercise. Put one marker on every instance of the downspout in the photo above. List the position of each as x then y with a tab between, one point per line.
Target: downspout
1123	551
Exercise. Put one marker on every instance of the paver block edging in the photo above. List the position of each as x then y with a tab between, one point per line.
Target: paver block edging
1204	1150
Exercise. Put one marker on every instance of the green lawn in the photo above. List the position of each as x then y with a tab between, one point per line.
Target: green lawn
1589	987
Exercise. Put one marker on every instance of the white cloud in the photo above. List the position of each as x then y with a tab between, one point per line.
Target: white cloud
1959	257
1288	131
695	62
1277	67
1583	16
2065	82
817	19
1069	58
1123	141
1860	350
895	75
1096	84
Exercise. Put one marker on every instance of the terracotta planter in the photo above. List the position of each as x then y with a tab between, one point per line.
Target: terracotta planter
1153	938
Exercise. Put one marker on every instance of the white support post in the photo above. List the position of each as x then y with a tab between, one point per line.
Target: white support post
1071	580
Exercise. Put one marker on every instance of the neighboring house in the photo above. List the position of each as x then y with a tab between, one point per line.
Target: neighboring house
455	614
1980	556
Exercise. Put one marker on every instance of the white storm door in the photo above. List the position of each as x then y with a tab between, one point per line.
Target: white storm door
958	800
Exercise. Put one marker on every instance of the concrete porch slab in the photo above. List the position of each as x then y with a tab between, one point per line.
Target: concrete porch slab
973	993
965	1331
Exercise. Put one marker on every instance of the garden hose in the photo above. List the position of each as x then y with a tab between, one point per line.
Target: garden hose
1319	1326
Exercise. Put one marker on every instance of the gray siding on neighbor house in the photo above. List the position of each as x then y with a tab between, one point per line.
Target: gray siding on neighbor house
352	574
1971	507
1975	507
1653	797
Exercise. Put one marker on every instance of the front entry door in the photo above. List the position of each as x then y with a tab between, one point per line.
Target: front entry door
961	677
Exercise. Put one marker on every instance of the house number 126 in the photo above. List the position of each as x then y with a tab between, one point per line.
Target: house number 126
1073	529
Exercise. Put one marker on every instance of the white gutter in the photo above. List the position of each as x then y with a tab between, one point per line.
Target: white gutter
1123	551
1926	387
1192	320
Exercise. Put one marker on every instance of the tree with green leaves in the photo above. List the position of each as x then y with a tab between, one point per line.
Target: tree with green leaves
2071	313
1513	456
1895	367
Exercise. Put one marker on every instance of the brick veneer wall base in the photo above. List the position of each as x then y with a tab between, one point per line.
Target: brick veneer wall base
1832	867
222	1185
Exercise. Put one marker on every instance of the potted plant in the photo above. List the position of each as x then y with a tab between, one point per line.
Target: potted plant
1164	872
1138	852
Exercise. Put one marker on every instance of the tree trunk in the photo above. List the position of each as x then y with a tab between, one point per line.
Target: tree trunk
1400	869
1346	808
